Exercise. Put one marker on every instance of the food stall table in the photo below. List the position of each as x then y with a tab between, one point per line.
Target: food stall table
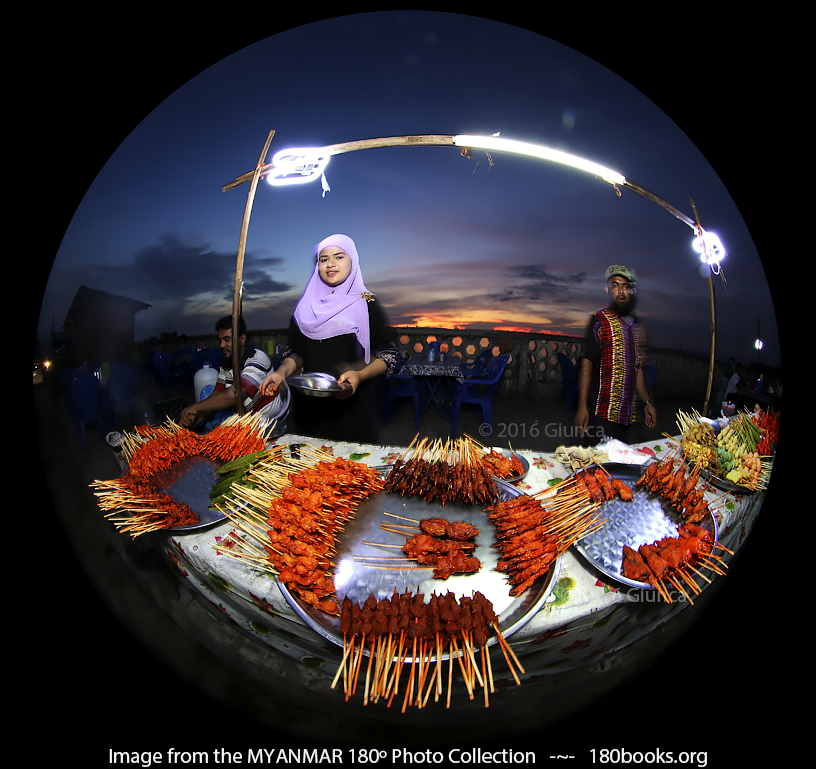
432	374
586	620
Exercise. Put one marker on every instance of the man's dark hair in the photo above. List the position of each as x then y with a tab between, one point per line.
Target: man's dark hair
225	323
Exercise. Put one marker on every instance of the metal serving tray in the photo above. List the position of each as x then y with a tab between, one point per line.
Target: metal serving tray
357	579
510	454
647	518
193	481
319	385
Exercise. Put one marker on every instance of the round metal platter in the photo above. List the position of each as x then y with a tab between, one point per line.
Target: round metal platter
648	517
357	575
319	385
193	479
510	454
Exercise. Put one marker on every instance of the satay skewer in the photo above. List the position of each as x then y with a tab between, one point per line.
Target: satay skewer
509	664
450	677
368	672
342	668
677	585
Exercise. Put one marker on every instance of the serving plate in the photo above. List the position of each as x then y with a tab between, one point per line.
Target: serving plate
357	574
319	385
190	483
647	518
510	454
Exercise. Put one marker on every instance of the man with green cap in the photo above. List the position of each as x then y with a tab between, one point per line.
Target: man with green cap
610	377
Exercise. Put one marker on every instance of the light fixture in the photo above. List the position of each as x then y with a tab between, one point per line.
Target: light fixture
296	166
538	151
710	248
758	344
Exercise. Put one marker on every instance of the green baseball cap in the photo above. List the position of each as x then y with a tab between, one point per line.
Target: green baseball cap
620	269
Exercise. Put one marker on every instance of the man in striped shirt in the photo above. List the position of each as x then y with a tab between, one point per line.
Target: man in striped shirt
255	364
610	375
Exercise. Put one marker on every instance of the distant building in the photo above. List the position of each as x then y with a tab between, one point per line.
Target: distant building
100	326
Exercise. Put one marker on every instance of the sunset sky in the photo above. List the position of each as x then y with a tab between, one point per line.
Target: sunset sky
482	242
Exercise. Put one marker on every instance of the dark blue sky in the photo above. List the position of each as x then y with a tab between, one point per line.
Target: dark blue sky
442	239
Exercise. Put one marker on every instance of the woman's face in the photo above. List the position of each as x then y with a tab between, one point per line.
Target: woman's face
333	265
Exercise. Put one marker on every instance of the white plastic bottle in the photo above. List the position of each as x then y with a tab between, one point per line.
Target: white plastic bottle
204	382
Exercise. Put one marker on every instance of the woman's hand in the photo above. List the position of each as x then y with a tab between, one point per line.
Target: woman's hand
352	378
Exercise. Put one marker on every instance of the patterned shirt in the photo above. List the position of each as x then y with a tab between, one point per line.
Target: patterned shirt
613	343
255	366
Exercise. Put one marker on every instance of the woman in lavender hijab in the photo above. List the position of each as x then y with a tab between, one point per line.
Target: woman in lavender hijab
338	328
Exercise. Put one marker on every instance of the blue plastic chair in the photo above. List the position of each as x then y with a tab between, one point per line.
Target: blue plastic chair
479	391
477	368
182	362
86	405
199	358
121	389
214	358
401	386
163	362
569	380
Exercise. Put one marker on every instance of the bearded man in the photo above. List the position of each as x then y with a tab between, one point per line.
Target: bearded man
255	364
611	366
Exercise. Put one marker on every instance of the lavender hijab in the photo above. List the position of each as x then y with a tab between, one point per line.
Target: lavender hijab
325	311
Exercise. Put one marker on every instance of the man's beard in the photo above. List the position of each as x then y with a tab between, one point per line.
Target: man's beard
627	308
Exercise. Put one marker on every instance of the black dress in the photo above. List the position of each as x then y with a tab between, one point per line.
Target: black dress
357	419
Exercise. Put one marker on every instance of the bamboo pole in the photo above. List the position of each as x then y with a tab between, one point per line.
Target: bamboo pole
713	322
441	140
239	276
362	144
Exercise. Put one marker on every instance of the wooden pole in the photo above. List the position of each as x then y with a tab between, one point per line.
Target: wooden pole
438	140
239	278
362	144
713	322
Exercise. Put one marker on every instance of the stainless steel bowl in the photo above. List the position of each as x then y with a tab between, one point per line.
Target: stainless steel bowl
319	385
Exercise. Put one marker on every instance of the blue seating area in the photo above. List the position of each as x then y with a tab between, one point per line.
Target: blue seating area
569	380
478	391
401	386
87	404
479	364
122	386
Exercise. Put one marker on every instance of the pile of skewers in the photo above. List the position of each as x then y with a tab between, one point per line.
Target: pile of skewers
744	451
502	466
679	486
732	454
452	471
672	559
134	502
699	441
404	629
534	531
135	506
601	486
441	545
290	519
